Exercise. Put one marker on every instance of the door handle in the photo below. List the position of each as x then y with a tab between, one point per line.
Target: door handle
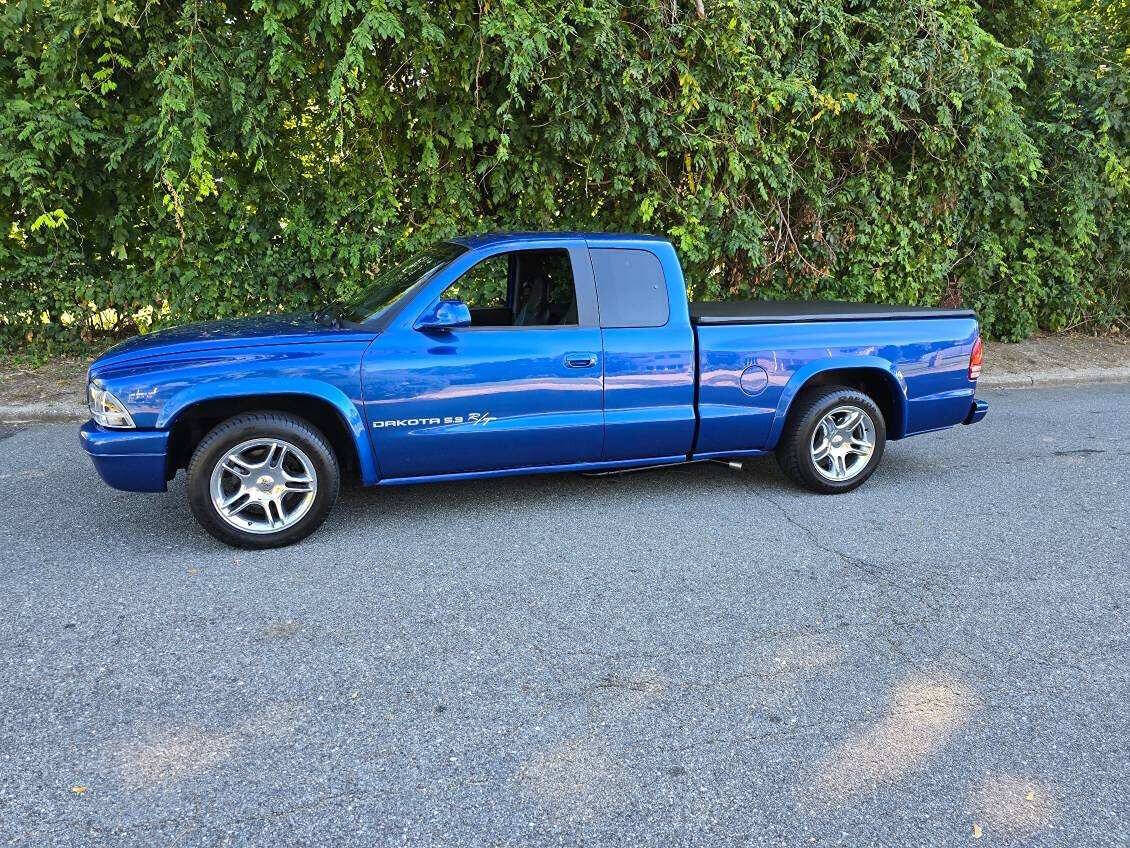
580	360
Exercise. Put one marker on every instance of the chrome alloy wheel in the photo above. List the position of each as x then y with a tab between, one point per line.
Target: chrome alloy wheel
843	443
263	485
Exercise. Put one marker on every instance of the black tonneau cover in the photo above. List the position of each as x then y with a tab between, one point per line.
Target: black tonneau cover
796	311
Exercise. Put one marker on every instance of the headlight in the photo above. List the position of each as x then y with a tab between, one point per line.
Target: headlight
106	409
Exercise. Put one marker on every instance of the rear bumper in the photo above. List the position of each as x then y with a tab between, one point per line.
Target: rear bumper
132	460
976	412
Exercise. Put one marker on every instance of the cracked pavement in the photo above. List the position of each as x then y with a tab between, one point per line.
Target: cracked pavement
692	656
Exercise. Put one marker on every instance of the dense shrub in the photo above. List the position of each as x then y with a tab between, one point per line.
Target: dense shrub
166	161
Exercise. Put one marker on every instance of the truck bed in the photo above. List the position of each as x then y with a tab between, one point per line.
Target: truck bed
803	311
753	357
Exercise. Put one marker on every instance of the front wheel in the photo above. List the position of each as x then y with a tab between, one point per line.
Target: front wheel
263	480
833	440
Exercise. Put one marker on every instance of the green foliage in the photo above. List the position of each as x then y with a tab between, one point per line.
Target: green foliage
177	161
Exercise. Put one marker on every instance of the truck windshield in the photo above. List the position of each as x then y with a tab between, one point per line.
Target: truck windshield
395	281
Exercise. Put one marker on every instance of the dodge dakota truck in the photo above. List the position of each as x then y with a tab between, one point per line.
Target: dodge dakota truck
516	353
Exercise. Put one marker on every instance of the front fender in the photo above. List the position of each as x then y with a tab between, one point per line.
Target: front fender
302	387
836	363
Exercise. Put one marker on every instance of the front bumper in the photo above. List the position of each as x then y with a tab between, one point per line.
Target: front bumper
977	411
132	460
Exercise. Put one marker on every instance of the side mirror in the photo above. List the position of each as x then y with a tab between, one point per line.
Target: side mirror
445	315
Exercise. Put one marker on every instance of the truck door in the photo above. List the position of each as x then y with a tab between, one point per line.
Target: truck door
521	387
648	351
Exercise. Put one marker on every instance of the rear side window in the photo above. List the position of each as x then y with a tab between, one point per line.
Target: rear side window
630	288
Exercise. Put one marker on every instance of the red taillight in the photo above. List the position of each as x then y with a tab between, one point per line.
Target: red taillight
975	360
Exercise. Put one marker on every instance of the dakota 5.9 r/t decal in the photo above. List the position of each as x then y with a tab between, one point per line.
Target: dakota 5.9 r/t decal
473	418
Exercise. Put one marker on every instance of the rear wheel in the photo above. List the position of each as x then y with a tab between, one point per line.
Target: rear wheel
263	480
833	440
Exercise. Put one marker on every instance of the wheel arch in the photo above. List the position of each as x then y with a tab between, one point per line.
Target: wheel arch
876	377
190	414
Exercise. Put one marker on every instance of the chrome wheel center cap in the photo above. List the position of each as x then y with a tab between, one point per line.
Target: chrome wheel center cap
265	483
837	440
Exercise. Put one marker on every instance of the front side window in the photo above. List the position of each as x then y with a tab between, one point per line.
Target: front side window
522	288
484	284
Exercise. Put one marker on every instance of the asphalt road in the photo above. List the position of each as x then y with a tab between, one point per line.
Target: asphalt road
683	657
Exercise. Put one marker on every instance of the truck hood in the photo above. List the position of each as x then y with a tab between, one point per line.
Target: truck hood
232	332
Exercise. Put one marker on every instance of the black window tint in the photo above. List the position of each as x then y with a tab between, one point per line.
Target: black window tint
544	293
630	288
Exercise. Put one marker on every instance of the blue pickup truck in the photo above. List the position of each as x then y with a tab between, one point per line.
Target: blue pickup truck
517	353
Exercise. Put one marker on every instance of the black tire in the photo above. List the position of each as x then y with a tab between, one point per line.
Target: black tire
794	453
263	425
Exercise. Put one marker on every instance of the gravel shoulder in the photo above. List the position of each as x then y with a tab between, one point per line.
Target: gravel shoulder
54	391
1047	359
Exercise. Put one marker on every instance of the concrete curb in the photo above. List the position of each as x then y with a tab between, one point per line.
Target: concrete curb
59	412
42	412
1054	377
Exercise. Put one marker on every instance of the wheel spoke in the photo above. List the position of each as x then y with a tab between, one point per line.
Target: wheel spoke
851	420
861	447
296	478
820	451
272	452
236	503
275	514
839	469
236	466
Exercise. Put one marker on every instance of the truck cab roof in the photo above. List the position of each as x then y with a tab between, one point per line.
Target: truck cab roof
488	239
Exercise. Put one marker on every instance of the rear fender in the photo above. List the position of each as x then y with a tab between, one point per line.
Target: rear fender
805	374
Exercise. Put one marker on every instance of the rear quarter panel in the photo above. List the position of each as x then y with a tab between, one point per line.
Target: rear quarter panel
924	362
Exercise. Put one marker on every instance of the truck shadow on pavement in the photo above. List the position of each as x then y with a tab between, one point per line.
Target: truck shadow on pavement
678	486
693	486
698	486
712	489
